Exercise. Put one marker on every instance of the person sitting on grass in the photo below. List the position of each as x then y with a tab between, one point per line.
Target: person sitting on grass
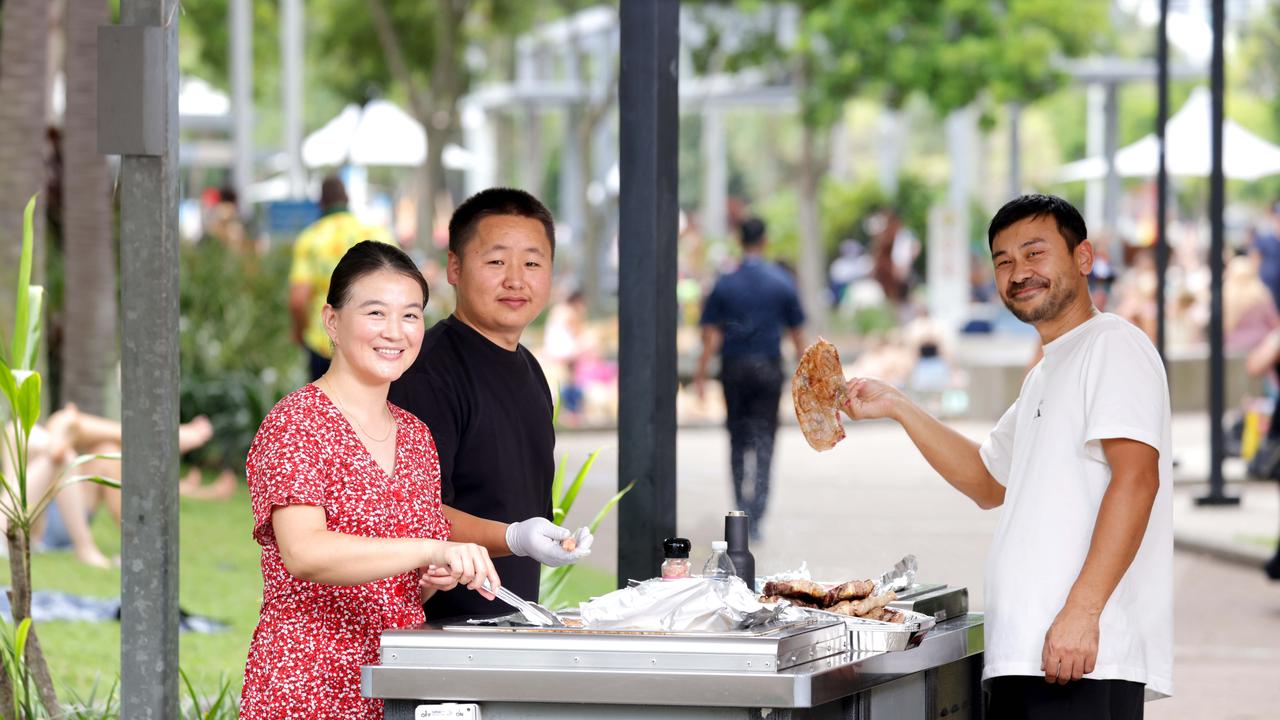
54	444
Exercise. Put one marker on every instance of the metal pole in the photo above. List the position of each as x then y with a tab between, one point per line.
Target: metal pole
1111	191
1162	175
241	21
1216	495
291	60
715	175
149	391
647	297
1015	149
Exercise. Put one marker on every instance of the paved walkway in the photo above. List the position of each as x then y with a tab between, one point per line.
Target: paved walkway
855	510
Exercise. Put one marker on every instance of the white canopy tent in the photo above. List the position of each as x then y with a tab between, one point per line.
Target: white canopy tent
379	134
1188	151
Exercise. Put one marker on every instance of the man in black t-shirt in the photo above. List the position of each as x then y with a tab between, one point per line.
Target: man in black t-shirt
486	401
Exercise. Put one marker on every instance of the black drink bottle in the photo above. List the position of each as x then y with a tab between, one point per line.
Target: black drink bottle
736	532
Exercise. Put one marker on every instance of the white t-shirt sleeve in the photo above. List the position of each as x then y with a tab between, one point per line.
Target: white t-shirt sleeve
997	450
1125	392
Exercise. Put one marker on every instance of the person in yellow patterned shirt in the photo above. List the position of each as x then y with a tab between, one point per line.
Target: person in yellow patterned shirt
315	254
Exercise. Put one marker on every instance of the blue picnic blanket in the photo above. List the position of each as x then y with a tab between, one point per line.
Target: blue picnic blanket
49	605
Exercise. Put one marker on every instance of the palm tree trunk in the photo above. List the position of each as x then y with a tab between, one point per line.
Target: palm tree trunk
24	60
89	348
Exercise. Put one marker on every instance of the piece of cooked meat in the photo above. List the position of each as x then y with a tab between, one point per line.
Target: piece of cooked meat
887	614
798	602
852	590
866	606
818	393
803	589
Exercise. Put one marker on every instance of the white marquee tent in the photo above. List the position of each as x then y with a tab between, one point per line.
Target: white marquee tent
1188	150
380	134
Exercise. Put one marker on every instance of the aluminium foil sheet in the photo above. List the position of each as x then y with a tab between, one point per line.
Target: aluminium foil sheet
767	649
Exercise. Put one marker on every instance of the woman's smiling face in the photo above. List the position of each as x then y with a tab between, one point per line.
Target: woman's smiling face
378	330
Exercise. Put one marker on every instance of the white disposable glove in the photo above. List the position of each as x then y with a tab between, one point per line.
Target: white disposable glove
541	540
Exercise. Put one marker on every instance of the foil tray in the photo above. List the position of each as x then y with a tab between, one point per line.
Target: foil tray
876	636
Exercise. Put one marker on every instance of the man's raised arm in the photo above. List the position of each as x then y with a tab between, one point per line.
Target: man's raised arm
953	455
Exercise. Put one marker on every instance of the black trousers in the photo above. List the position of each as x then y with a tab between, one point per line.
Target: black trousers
752	388
1021	697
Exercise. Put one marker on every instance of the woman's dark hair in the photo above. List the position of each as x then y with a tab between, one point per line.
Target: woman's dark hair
497	201
1070	224
368	257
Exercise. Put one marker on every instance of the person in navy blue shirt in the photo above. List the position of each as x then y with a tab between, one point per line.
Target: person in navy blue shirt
744	318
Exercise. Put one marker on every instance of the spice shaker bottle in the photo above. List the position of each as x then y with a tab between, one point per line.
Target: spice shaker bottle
676	564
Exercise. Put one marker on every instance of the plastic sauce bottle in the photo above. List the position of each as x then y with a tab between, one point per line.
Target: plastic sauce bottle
676	562
719	566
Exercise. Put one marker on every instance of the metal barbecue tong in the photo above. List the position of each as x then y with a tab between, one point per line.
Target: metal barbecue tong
532	612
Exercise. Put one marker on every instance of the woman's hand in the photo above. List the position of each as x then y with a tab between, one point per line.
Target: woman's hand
467	564
435	579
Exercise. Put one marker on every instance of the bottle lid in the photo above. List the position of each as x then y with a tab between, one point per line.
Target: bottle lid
736	513
676	547
719	545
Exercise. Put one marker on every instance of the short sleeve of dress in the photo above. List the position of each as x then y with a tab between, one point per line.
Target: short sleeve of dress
285	467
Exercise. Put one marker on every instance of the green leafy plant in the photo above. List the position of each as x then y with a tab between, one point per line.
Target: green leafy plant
16	671
25	663
554	580
235	350
220	707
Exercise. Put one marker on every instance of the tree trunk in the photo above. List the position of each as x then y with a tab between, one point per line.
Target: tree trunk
24	56
812	255
437	110
446	88
20	603
89	348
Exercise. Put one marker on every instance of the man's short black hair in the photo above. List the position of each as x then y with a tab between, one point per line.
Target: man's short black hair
1070	224
497	201
751	232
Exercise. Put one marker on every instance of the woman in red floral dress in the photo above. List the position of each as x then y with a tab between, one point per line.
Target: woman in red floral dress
346	505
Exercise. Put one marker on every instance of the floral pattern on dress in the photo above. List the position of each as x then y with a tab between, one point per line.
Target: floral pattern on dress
305	656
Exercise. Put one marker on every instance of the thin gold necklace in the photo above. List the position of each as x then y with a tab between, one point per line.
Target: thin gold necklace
329	389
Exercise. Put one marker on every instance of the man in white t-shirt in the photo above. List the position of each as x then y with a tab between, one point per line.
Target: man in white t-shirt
1079	615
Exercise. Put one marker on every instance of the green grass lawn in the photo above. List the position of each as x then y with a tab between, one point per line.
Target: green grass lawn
218	578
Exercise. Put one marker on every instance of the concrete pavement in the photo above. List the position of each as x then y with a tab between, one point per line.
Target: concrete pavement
855	510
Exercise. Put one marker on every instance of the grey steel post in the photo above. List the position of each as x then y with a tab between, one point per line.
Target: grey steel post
1162	174
291	60
647	293
149	378
1217	202
241	25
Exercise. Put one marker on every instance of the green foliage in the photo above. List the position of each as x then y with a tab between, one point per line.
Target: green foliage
353	64
13	655
221	580
554	581
844	210
237	356
950	50
222	705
